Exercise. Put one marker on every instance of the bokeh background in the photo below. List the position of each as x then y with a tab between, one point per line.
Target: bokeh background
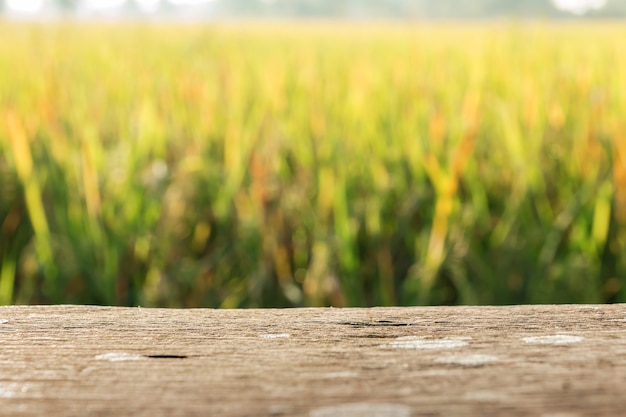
288	153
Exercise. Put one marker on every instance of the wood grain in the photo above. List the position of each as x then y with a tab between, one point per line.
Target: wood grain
545	361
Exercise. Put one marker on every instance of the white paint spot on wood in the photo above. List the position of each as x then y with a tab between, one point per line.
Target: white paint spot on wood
119	357
485	396
363	410
7	391
337	375
469	360
413	342
11	390
559	339
275	336
3	321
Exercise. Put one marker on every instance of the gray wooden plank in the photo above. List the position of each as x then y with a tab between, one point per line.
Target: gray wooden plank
545	361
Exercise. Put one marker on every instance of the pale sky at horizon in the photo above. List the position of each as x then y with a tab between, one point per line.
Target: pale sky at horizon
34	6
578	7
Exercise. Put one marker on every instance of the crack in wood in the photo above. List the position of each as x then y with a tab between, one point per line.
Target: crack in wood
166	356
378	323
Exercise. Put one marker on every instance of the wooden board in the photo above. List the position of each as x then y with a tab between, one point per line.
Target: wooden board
545	361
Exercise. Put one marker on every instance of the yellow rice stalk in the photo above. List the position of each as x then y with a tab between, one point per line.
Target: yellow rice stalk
446	185
20	146
22	155
619	178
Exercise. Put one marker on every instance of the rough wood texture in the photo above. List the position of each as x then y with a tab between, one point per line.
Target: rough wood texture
544	361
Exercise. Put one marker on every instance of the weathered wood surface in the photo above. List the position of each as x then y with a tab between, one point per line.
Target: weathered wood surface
545	361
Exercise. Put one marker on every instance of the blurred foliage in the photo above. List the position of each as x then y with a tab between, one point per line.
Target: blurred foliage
306	165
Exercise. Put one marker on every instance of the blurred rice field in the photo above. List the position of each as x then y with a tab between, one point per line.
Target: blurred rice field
311	164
